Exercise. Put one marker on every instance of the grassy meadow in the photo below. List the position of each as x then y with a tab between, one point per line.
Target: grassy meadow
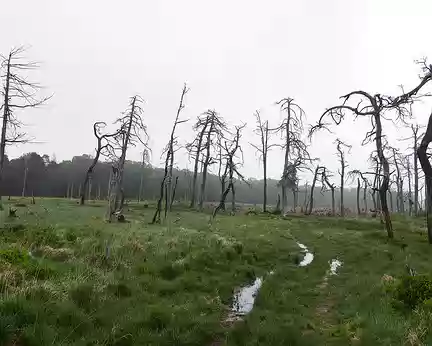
69	278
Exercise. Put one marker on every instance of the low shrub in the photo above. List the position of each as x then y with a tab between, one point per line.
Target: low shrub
412	291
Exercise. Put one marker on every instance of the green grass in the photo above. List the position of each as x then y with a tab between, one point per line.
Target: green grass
69	278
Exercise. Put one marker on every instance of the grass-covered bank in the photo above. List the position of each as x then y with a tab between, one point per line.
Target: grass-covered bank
68	278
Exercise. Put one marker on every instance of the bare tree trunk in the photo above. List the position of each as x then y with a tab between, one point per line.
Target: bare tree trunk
6	114
358	196
89	188
112	194
295	198
386	177
391	200
311	198
342	187
223	199
24	181
410	201
174	191
427	169
196	166
99	192
333	201
278	203
305	204
233	199
365	196
416	178
206	163
79	190
265	182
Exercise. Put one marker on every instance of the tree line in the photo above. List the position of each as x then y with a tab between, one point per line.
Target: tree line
218	147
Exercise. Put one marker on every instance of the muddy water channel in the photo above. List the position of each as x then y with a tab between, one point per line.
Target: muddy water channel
244	298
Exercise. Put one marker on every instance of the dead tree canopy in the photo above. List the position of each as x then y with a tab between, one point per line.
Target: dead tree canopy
131	132
104	147
291	130
18	93
233	158
172	147
362	104
264	132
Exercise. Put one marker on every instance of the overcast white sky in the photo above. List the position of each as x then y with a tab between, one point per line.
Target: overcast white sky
236	56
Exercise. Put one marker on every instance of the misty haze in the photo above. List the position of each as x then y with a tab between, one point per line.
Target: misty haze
215	173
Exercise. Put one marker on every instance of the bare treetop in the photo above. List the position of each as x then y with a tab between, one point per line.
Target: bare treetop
18	92
131	122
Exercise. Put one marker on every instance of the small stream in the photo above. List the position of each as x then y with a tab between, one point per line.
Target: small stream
244	298
334	265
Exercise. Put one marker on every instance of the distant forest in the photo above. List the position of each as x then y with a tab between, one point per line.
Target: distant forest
41	176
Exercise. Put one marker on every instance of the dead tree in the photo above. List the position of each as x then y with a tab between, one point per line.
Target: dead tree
399	182
18	93
263	131
407	166
318	170
131	132
374	107
356	174
103	144
232	149
25	159
415	174
195	148
415	129
427	169
145	160
325	175
170	149
215	129
291	130
341	154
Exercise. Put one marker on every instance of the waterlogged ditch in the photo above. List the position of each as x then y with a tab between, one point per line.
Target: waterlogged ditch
244	298
308	256
334	265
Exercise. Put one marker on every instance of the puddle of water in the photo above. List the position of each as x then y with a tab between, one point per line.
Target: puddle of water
244	299
308	258
334	265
